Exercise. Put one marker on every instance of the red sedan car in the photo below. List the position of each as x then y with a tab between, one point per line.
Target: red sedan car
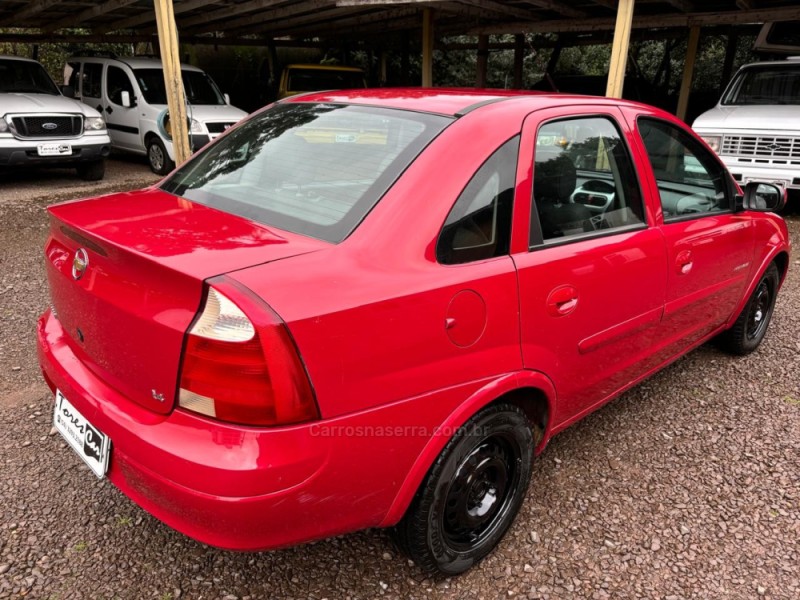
374	308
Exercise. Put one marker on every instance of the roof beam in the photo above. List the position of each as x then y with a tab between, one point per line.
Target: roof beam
89	13
558	7
745	4
675	20
149	16
319	9
230	11
33	8
681	5
335	19
500	8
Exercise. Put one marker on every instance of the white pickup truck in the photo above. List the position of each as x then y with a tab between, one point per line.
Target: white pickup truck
755	128
39	126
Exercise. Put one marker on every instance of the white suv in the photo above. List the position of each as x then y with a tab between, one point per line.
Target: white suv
755	128
132	94
39	126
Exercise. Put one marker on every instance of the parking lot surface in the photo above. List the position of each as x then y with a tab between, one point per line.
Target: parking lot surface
688	486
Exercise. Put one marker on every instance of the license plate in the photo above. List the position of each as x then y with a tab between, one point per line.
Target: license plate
54	149
90	443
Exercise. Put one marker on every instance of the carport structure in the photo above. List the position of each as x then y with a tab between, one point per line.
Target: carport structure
290	22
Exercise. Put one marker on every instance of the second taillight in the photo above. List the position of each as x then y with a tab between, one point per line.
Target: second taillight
243	370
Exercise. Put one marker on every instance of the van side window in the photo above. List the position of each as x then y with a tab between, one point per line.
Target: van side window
117	81
479	225
92	74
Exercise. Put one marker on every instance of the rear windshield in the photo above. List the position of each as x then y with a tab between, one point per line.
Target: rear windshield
23	77
309	80
766	85
313	169
200	88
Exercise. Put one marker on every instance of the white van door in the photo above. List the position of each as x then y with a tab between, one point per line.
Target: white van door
122	120
91	90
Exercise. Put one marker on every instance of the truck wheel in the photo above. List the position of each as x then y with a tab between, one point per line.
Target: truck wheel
751	325
471	494
93	171
160	162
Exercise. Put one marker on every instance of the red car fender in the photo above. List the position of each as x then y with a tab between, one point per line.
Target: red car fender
482	397
775	249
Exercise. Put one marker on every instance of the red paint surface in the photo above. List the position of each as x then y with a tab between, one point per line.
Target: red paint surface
400	350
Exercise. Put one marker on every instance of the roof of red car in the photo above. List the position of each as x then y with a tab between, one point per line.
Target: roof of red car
446	101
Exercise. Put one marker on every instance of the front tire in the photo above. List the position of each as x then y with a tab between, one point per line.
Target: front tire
751	326
471	494
157	157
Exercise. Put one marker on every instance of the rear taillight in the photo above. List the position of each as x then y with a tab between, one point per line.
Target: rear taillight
243	369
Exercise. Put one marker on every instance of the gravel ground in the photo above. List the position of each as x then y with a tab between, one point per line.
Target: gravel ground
686	487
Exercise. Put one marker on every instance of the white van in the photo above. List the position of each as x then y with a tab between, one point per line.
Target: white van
132	95
40	126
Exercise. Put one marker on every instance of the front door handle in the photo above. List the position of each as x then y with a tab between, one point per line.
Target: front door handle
99	108
684	262
562	301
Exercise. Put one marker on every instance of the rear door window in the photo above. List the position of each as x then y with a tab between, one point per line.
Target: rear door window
313	169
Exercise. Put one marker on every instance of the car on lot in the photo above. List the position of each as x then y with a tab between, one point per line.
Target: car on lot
301	78
132	95
755	127
39	126
374	308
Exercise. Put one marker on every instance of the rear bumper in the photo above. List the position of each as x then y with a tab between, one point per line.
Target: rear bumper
16	153
245	488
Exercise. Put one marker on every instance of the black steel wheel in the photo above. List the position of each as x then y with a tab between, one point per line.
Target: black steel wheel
751	325
472	492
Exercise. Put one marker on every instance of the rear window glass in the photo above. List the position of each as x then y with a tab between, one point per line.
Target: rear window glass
313	169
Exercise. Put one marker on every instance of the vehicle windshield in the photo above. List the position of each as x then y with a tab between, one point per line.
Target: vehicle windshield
766	85
309	80
313	169
199	87
24	77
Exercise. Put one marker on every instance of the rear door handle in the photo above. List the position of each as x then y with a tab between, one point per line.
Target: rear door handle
109	110
562	301
684	262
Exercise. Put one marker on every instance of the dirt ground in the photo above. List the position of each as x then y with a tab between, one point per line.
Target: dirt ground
688	486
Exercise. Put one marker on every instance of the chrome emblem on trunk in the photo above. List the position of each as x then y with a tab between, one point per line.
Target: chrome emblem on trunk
79	264
49	126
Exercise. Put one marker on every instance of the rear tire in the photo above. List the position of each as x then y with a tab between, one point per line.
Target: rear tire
93	171
751	325
471	494
157	157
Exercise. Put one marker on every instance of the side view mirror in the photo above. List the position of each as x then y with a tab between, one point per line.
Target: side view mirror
125	98
68	91
764	197
227	98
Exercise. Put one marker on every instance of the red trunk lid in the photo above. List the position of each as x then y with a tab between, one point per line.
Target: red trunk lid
126	313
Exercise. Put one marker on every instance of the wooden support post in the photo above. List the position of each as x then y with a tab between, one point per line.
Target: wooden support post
427	47
688	72
619	50
483	60
170	58
519	57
